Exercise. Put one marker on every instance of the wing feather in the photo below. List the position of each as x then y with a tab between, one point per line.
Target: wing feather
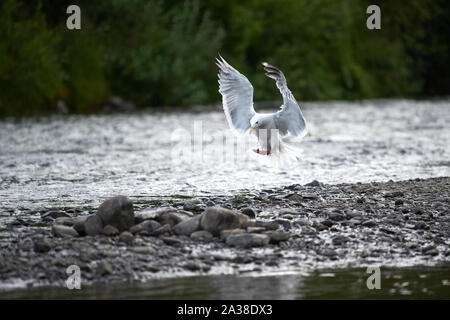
290	118
237	96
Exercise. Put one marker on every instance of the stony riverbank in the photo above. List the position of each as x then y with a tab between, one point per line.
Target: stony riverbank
295	228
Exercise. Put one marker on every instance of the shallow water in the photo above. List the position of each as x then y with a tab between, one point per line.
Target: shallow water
406	283
76	161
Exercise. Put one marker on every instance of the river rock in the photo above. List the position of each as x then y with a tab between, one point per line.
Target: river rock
79	224
171	217
278	236
247	240
165	229
249	212
268	225
126	237
340	240
145	227
193	205
63	231
202	235
65	221
188	226
41	245
54	215
93	225
109	230
216	219
118	212
225	233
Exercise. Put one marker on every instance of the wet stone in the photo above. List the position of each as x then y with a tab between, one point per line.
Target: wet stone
201	235
145	227
110	230
41	245
225	233
165	229
340	240
278	236
54	214
127	238
64	231
216	219
188	227
249	212
369	224
93	225
118	212
248	240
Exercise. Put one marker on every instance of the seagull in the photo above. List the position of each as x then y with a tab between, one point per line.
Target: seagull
271	129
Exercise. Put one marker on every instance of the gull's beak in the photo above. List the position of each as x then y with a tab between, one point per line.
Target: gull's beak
251	130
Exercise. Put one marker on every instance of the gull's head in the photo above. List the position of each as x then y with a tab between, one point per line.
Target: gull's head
254	124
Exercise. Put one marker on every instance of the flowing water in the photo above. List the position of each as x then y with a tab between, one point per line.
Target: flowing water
404	283
75	161
78	161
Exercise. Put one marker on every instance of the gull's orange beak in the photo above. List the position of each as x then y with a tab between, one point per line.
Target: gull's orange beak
251	130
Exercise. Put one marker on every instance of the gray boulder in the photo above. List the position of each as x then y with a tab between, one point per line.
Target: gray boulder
216	219
224	234
145	227
278	236
117	212
187	227
126	237
193	205
248	240
63	231
201	235
172	217
93	225
109	230
79	224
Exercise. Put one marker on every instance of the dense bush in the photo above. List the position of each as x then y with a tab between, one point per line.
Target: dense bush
162	53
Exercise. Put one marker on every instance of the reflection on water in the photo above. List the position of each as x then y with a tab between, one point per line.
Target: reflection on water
80	160
405	283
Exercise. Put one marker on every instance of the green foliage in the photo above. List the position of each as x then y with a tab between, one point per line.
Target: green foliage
162	53
30	72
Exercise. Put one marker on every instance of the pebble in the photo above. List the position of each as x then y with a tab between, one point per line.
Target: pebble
340	240
54	215
249	212
201	235
225	233
188	227
126	237
248	240
194	205
64	231
278	236
369	224
145	227
109	230
336	217
41	245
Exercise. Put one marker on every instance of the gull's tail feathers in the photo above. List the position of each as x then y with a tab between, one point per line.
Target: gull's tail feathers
285	156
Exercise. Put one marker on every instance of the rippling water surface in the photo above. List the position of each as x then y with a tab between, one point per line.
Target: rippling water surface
81	160
406	283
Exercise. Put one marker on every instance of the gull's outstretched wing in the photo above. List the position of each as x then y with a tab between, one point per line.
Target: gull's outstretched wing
237	96
290	118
